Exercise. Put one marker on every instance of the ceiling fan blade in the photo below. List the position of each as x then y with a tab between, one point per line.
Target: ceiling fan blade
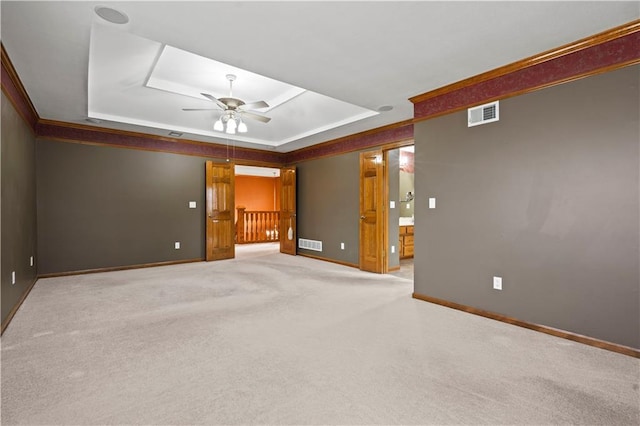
255	105
214	99
255	116
200	109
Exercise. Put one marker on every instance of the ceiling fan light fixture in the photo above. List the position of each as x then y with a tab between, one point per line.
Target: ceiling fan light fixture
231	126
233	109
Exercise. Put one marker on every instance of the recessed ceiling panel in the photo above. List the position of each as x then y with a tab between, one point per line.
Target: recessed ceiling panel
142	82
185	73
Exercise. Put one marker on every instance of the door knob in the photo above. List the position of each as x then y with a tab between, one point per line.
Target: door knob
361	217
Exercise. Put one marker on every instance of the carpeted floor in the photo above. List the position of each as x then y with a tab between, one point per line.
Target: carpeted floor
274	339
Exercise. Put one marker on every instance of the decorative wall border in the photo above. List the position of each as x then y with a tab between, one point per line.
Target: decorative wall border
396	132
15	92
603	52
79	133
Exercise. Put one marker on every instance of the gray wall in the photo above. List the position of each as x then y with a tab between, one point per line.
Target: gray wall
102	207
18	207
328	205
547	198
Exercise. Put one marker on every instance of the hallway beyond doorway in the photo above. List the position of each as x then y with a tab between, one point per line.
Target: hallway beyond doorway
406	269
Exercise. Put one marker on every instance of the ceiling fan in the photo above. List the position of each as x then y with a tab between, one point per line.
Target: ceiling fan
234	110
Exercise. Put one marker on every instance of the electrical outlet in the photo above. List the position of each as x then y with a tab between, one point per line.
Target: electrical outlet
497	283
13	277
177	245
192	204
341	246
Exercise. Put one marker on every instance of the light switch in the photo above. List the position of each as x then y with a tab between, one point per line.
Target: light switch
497	283
392	204
177	245
432	203
192	204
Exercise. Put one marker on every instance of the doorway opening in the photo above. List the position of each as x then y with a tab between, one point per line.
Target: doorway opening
387	210
257	204
401	191
265	206
225	224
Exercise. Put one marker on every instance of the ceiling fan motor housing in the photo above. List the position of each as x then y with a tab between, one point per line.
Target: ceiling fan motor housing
232	103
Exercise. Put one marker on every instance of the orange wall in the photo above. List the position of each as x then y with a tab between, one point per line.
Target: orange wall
257	193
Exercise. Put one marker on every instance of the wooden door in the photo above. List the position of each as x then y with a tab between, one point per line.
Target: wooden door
372	212
288	234
220	186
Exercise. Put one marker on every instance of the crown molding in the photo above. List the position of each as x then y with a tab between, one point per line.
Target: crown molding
385	135
14	90
80	133
603	52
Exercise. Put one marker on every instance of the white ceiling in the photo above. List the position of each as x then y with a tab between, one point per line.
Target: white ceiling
143	82
355	56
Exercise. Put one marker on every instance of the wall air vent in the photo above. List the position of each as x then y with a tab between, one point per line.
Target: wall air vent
483	114
309	244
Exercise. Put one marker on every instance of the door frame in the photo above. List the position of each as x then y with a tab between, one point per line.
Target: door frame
385	151
384	241
288	210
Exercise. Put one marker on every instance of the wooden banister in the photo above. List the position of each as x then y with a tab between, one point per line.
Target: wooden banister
257	226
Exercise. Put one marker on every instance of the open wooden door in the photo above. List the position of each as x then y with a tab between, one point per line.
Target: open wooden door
288	210
220	186
372	211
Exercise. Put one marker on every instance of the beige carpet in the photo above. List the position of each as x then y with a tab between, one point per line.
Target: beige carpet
275	339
